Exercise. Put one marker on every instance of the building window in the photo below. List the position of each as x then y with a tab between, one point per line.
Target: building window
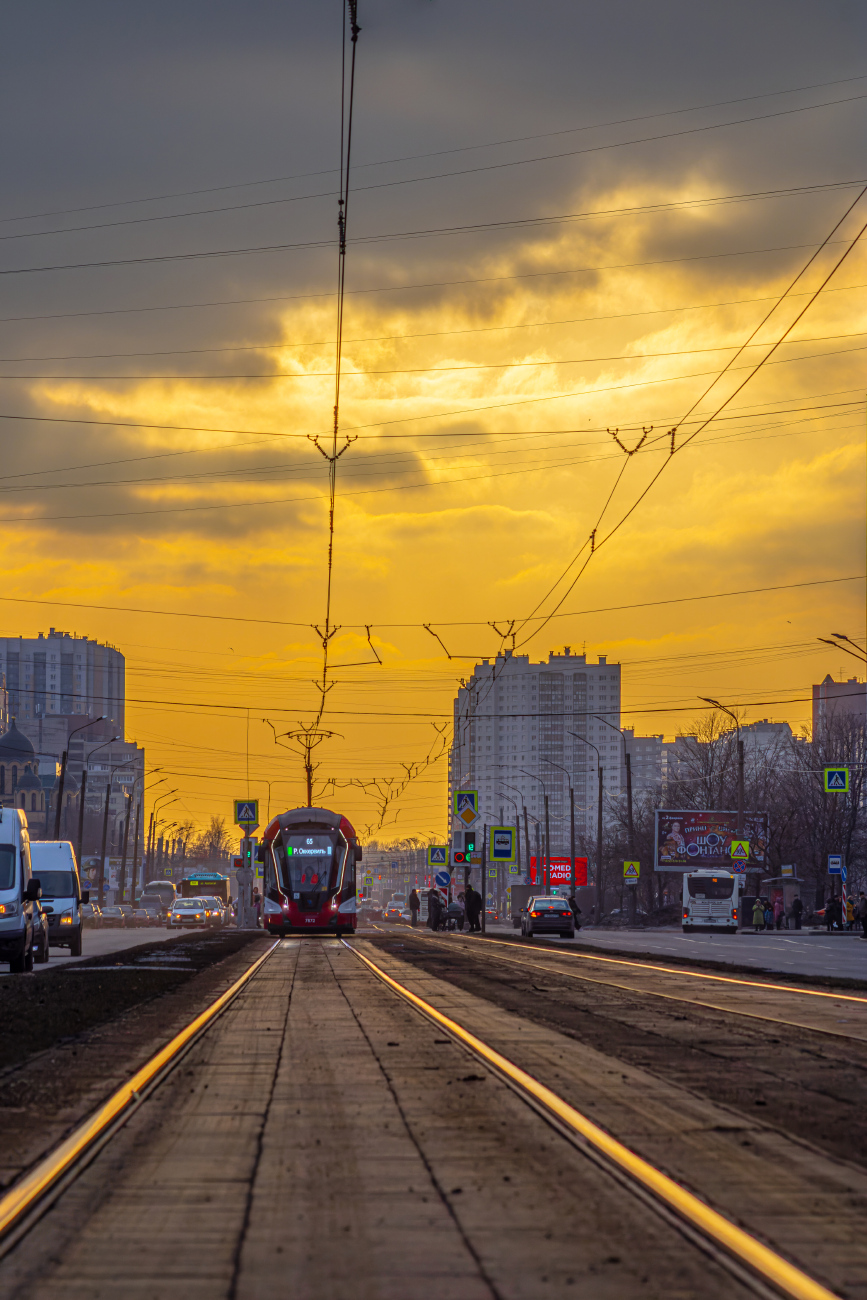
33	803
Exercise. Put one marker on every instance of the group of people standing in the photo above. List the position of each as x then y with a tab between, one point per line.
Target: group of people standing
437	907
772	916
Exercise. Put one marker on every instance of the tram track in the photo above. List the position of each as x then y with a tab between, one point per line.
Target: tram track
551	967
330	1043
29	1198
749	1259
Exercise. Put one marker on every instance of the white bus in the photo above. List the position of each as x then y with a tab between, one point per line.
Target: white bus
710	901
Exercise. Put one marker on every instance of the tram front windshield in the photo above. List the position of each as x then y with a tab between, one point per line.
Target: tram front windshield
310	862
710	886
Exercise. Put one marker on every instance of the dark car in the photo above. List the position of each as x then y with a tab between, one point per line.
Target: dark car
544	915
91	915
113	916
40	935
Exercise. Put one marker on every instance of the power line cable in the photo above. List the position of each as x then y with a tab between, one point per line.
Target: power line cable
491	144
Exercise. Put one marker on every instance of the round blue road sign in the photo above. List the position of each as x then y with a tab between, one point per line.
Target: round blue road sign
442	879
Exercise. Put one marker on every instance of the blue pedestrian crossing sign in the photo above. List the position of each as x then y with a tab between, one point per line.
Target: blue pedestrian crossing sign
438	855
836	780
467	806
247	813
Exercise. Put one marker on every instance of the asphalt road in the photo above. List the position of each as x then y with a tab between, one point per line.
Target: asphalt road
789	952
102	943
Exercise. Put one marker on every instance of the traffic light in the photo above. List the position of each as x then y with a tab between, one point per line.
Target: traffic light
248	852
469	841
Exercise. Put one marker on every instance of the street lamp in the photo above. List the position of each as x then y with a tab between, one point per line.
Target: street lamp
840	636
716	704
519	791
547	859
629	822
167	794
571	819
111	772
91	723
83	791
596	901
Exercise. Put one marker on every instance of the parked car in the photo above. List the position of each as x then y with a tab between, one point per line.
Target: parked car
19	893
91	916
40	935
547	915
187	912
53	862
112	915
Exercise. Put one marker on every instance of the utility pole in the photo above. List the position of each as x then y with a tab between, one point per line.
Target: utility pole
631	828
527	841
597	910
101	896
60	786
135	853
81	796
484	890
572	836
122	881
547	884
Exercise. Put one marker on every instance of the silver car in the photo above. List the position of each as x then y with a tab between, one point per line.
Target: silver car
547	915
187	912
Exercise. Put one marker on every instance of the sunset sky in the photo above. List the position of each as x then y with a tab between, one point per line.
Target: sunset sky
565	219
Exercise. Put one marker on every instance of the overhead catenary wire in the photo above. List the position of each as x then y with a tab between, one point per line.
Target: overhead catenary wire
490	144
708	419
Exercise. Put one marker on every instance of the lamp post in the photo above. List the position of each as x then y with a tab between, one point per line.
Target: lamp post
571	822
63	761
716	704
597	900
547	853
629	822
111	772
167	794
83	792
519	791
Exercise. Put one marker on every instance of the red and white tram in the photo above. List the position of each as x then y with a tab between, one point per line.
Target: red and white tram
309	857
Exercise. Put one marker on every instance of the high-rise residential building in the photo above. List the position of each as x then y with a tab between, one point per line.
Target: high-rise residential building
835	699
54	681
645	758
524	729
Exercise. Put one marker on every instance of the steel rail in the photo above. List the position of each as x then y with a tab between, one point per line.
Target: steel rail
694	974
30	1193
551	969
744	1248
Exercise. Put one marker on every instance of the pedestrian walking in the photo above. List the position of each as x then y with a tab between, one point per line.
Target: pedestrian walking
575	910
414	905
862	913
797	912
434	909
758	916
473	907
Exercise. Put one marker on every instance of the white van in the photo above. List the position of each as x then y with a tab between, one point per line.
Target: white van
54	865
19	892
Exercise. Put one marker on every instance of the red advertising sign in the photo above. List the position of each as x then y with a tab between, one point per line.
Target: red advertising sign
688	840
561	872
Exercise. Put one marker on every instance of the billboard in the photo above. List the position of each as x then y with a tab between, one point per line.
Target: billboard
686	840
560	872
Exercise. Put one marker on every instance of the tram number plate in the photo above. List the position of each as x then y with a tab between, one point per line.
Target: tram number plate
311	920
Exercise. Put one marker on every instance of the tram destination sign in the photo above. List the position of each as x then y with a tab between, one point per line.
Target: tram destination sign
687	839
